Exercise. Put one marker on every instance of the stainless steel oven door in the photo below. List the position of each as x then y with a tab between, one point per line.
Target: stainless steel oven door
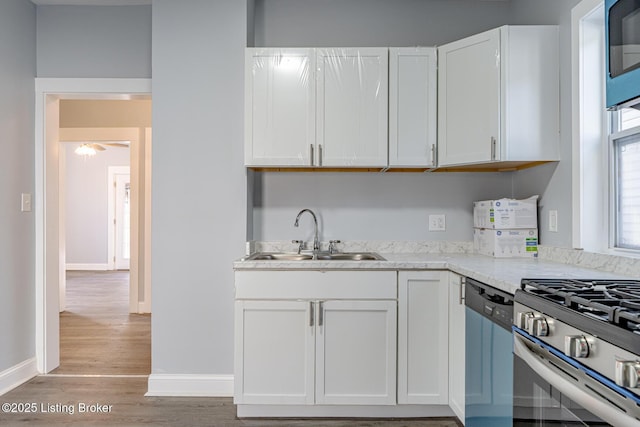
553	390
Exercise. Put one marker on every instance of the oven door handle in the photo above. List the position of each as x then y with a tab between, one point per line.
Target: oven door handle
598	407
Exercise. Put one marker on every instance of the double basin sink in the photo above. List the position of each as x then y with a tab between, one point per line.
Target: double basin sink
322	256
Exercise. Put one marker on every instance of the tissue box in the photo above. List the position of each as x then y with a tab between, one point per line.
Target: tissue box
503	214
522	243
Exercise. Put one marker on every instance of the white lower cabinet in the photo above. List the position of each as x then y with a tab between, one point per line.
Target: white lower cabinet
316	350
423	350
346	343
275	350
356	353
456	345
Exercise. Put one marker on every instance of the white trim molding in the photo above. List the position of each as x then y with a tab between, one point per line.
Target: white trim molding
17	375
190	385
49	263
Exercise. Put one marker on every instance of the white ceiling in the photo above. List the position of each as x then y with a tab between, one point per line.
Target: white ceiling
91	2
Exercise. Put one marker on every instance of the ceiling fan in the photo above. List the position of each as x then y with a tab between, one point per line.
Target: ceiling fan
91	148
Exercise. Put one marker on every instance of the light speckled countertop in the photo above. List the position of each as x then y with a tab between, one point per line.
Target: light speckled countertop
502	273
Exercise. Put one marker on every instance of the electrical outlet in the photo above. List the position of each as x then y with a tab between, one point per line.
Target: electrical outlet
553	221
437	222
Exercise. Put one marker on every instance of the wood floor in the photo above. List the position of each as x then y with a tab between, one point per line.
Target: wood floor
102	378
97	333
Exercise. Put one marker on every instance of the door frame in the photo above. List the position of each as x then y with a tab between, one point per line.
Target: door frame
49	253
112	204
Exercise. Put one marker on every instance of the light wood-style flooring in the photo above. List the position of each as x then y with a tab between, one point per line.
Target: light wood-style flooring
98	335
105	359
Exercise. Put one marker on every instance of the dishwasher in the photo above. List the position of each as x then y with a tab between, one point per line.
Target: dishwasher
488	356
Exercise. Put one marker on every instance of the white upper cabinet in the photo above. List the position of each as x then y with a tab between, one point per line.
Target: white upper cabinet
352	107
412	107
279	107
316	107
498	97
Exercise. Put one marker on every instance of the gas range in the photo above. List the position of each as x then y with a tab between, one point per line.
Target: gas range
588	330
609	309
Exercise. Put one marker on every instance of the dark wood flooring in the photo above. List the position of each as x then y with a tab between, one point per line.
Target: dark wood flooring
104	351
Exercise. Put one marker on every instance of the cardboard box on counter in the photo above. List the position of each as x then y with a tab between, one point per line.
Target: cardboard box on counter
503	214
520	243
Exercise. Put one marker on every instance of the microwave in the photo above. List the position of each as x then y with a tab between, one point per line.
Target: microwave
622	24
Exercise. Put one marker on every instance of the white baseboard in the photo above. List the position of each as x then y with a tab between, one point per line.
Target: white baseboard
17	375
87	267
190	385
343	411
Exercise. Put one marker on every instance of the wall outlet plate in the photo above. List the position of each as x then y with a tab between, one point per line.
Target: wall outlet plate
437	222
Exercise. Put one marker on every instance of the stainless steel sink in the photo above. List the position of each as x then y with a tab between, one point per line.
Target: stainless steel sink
351	256
322	256
275	256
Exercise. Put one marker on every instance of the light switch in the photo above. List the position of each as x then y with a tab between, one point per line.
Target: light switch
25	204
553	220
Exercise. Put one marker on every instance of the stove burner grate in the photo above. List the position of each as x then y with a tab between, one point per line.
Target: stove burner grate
613	301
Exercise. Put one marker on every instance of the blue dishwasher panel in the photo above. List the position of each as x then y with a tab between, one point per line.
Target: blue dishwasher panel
488	373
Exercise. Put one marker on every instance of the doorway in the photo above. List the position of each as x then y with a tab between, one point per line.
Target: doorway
49	211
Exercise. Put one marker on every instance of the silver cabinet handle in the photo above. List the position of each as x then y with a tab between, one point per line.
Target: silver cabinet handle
312	313
311	155
321	314
319	154
493	148
433	155
463	281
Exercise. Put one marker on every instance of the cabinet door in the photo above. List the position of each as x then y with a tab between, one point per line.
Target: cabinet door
279	107
412	107
356	353
352	107
274	357
423	301
469	100
456	345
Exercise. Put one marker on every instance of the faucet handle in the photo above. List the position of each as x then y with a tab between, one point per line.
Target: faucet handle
300	244
332	245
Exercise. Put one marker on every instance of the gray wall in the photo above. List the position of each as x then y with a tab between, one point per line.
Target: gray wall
373	22
86	203
89	41
372	206
17	235
199	183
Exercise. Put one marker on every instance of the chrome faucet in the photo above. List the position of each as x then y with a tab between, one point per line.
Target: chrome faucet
316	243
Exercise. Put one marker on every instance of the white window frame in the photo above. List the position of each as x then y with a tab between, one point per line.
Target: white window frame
593	180
614	136
590	156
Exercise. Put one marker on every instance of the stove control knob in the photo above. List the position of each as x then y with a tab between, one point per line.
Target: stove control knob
538	327
627	373
576	346
523	319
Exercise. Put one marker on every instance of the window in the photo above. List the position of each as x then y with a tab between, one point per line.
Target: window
625	176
